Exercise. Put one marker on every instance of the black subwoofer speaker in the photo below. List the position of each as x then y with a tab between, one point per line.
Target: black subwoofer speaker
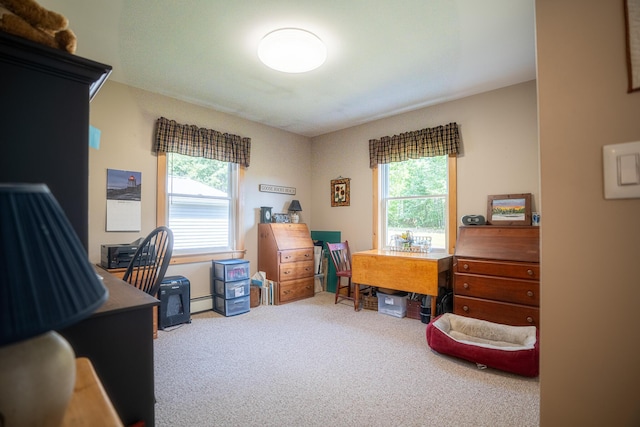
175	302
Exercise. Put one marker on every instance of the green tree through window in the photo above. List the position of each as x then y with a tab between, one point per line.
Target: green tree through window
416	199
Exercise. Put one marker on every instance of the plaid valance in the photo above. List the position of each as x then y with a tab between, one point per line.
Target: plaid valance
428	142
172	137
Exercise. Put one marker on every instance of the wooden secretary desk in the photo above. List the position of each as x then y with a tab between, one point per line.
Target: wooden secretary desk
497	274
285	254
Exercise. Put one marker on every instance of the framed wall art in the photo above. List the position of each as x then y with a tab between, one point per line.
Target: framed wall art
340	192
509	209
632	21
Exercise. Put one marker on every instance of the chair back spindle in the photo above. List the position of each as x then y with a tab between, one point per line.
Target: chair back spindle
149	264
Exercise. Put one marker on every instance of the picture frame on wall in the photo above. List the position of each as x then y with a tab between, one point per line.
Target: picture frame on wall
340	192
632	26
509	209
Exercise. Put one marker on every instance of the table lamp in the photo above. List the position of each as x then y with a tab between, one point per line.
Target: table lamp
46	284
294	208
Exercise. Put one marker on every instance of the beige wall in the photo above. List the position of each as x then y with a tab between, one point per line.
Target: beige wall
499	139
126	118
498	128
500	156
590	373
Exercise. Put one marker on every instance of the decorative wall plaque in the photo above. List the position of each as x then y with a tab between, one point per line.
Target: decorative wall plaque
268	188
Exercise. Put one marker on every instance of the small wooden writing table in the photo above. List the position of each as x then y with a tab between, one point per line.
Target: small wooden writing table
89	406
417	272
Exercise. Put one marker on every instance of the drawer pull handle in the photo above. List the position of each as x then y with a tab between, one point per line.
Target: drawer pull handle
287	257
465	266
466	308
529	319
287	272
306	255
529	293
530	272
466	286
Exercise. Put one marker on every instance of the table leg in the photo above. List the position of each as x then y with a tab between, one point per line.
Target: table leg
433	307
356	297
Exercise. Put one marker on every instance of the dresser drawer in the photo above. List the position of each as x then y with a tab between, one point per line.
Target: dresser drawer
295	255
497	312
295	270
499	268
291	290
496	288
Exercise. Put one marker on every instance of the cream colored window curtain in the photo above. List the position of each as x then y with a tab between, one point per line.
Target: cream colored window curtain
172	137
428	142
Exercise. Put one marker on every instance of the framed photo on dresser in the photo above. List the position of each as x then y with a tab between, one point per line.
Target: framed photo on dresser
509	209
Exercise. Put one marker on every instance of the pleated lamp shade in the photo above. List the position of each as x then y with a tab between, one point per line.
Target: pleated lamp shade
46	280
295	206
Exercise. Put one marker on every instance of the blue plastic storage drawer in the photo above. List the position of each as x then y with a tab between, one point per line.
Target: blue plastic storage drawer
228	290
229	270
231	307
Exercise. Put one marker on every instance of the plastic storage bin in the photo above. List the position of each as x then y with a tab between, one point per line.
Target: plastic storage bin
231	269
393	305
231	307
229	290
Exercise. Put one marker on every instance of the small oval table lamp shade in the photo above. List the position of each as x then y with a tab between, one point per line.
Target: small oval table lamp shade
294	208
46	283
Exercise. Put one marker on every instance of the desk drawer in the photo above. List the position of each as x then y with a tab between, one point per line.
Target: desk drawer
497	312
296	255
518	270
296	270
291	290
496	288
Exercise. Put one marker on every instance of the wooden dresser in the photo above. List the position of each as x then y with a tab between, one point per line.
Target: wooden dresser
497	274
285	254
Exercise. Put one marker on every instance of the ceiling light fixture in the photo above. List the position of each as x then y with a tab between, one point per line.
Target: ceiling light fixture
292	50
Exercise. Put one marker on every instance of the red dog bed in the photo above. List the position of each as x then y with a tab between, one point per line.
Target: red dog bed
513	349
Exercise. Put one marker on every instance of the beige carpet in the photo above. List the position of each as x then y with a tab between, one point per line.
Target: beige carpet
313	363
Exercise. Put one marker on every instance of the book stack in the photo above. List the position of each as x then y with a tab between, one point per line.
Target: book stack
268	288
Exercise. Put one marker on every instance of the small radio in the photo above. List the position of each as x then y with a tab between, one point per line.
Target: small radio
473	220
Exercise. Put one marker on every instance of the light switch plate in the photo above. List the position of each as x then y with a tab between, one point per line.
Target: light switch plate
621	170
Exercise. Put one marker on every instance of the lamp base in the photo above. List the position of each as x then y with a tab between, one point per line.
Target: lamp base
295	218
37	377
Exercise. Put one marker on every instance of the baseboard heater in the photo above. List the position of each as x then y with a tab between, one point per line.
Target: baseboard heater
203	303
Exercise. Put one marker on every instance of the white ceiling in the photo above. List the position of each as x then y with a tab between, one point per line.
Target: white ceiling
384	57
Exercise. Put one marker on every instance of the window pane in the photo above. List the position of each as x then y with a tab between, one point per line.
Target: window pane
423	217
415	194
211	173
199	203
198	223
418	177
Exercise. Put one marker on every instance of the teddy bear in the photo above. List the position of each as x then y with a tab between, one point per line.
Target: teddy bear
28	19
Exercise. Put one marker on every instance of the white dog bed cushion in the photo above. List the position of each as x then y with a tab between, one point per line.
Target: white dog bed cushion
513	349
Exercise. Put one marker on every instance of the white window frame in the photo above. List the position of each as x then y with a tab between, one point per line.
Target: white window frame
380	238
236	239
